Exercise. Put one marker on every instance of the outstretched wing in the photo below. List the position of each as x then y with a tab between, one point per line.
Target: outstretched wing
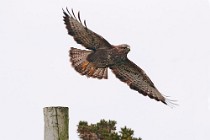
137	79
82	35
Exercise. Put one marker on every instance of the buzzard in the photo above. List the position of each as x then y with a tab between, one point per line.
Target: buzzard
101	55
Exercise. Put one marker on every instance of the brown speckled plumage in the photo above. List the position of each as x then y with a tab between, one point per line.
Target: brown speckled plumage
102	55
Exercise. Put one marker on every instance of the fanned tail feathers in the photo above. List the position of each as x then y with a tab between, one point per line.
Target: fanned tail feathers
83	66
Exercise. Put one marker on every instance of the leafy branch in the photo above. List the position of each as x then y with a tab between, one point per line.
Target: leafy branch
104	130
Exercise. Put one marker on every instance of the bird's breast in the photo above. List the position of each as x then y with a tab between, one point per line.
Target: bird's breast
105	58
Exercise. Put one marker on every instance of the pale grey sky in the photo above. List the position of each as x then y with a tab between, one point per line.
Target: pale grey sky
170	40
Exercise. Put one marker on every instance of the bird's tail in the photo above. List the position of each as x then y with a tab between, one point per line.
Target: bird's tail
83	66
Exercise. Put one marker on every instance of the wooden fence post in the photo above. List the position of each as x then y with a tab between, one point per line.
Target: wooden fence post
56	123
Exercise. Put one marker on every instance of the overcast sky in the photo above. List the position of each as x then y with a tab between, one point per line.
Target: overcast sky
170	40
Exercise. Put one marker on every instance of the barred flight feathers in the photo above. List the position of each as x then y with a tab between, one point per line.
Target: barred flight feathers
102	55
82	35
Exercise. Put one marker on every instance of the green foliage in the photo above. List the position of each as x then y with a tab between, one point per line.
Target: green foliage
104	130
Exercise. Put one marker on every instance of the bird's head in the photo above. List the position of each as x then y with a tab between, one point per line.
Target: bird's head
124	48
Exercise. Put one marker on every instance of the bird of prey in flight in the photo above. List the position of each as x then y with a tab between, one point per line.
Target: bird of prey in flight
102	55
